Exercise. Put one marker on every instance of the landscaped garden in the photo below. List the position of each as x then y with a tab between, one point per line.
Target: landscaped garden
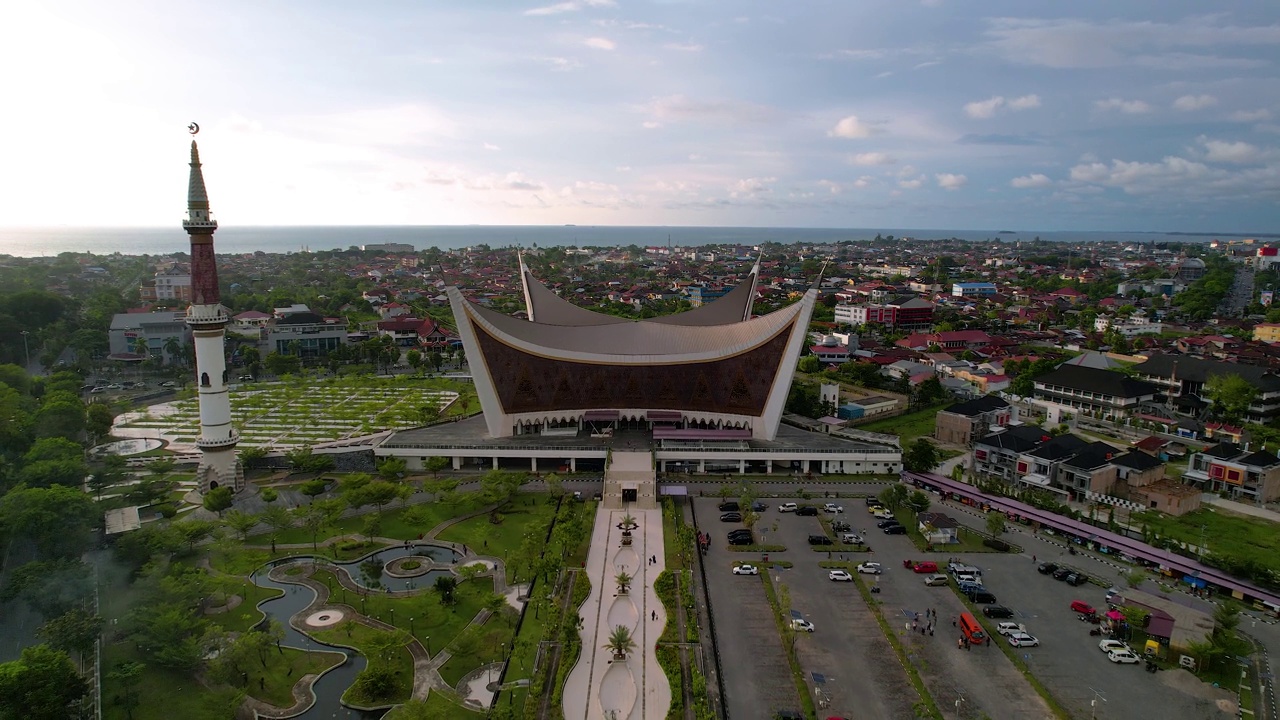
302	412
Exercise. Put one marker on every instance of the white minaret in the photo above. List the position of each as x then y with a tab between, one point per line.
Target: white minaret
219	466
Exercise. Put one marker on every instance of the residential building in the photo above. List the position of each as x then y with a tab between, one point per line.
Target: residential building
965	422
903	313
996	455
1267	332
1241	474
950	341
1093	390
1039	467
1167	287
1133	326
938	528
700	295
315	336
1184	378
156	329
973	289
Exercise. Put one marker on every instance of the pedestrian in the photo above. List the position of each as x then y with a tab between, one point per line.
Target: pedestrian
1033	558
953	621
960	643
930	631
653	615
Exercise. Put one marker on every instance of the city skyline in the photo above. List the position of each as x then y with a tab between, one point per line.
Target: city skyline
596	112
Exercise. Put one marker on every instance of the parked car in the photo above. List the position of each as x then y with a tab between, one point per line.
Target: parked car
788	507
98	390
1008	628
1062	573
870	568
741	540
820	540
1022	639
832	508
1108	645
807	510
997	611
1082	607
801	625
839	576
745	570
895	530
1046	568
1114	597
758	507
731	517
1123	656
1077	579
851	538
840	526
871	500
729	506
935	580
925	566
246	378
168	384
739	531
887	523
982	597
883	513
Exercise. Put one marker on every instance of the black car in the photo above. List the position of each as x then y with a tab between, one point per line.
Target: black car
741	539
871	500
1062	573
982	597
1077	579
807	510
728	506
819	540
1046	568
731	517
758	507
739	531
997	611
895	530
887	523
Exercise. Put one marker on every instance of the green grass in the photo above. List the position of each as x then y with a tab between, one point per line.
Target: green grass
358	636
242	561
526	514
394	524
437	705
907	427
969	542
1227	534
532	630
494	634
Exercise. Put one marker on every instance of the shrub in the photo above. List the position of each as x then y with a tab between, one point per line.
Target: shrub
997	545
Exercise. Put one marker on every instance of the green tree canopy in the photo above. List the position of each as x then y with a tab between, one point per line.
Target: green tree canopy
1231	396
41	685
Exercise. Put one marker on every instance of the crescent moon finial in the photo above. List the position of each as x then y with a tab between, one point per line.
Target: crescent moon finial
193	128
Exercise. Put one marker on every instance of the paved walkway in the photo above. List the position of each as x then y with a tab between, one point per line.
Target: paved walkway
635	688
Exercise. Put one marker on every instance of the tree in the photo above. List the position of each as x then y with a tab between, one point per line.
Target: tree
623	580
314	488
127	675
894	496
319	515
620	642
919	501
252	457
57	519
73	631
922	456
161	466
392	468
1230	395
996	523
98	419
241	522
193	531
43	684
930	391
809	364
446	585
435	464
219	499
278	364
278	519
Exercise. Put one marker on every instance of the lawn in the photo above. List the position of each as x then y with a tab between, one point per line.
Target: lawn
242	560
524	515
520	665
907	427
1227	534
358	636
406	523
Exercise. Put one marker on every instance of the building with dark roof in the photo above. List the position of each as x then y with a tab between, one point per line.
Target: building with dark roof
1093	390
1238	472
304	334
962	423
996	455
1183	379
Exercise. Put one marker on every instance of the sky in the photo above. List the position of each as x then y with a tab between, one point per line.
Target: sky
1112	115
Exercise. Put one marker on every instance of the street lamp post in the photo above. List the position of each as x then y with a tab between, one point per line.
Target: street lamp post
26	349
427	641
410	626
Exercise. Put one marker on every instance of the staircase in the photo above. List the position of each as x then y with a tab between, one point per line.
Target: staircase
628	473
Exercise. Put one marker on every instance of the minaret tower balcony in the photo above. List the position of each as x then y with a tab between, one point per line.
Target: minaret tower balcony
218	443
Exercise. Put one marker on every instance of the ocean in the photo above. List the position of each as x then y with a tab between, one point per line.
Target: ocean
38	242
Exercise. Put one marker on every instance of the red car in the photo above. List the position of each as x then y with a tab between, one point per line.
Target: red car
1082	607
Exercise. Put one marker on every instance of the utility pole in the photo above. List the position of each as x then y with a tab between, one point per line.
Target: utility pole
26	349
1093	704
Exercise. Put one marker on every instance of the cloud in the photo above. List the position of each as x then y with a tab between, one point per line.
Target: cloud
748	187
1034	180
1077	43
872	158
1188	103
560	64
987	108
983	108
1128	107
684	47
951	181
1142	178
833	187
569	6
1230	152
851	128
999	139
600	43
491	146
682	107
911	184
864	182
1251	115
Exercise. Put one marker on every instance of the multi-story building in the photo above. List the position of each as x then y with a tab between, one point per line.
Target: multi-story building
1236	471
1093	390
965	422
700	295
902	313
314	335
1267	332
1133	326
1183	378
996	455
973	289
155	329
166	285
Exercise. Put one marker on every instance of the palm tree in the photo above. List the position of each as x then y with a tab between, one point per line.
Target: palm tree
140	347
620	642
623	579
172	349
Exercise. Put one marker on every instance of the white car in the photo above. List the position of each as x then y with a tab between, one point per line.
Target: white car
851	539
839	576
801	625
745	570
935	580
870	568
1123	656
1021	639
833	508
788	507
883	514
1109	645
1008	628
